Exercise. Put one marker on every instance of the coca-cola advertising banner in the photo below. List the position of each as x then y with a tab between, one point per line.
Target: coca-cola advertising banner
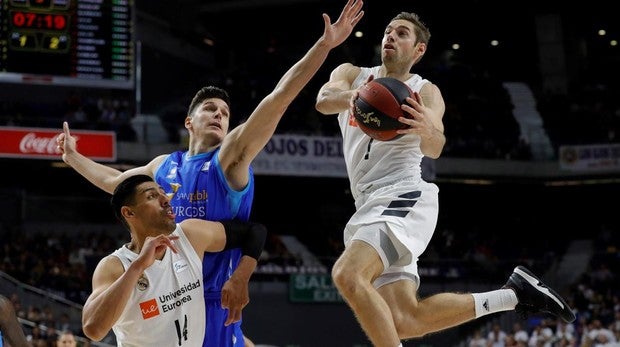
39	143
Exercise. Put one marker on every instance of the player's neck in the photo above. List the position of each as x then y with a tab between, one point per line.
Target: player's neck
201	147
400	73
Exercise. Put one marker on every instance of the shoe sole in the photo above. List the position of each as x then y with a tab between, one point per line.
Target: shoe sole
541	287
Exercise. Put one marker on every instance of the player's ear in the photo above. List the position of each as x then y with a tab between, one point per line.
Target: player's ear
127	212
420	49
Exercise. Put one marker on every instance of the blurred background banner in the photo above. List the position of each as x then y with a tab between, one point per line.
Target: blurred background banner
39	143
300	155
313	288
590	157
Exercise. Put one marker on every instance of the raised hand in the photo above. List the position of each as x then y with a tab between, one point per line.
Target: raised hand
154	248
336	33
65	142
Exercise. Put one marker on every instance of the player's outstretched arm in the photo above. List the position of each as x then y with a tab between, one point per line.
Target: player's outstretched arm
244	143
102	176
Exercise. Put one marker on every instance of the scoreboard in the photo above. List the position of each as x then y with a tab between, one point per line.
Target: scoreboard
86	43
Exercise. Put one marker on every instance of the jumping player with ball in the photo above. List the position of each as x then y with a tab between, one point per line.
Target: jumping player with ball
396	210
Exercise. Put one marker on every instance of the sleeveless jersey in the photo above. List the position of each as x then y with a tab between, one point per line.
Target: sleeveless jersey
200	190
166	307
373	164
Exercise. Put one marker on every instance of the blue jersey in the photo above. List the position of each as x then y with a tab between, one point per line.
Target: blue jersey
199	190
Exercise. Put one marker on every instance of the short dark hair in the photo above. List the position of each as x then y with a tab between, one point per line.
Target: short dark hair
422	32
207	93
124	194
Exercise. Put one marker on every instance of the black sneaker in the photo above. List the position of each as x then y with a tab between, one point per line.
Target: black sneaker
535	296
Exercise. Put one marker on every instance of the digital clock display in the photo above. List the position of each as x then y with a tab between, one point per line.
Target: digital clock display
67	42
34	20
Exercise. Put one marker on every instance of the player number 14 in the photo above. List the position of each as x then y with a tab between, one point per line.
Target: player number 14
181	331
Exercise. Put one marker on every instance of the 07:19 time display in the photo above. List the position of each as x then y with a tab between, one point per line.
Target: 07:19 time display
34	20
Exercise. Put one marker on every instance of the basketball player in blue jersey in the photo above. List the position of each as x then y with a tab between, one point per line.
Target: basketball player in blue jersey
10	329
397	210
213	179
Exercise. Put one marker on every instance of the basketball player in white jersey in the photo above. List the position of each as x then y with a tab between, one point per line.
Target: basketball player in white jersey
396	210
149	291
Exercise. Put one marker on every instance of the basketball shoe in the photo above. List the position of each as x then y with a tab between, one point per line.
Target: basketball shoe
534	296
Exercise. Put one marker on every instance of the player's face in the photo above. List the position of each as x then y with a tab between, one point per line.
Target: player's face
152	208
210	118
398	45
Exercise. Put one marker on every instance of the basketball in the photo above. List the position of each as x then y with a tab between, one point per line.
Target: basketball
377	107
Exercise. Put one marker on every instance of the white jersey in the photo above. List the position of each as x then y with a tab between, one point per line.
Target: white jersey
371	165
396	210
167	306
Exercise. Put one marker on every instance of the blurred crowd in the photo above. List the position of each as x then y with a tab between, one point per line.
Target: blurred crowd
45	328
595	297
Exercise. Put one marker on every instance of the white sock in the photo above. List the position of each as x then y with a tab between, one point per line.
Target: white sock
494	301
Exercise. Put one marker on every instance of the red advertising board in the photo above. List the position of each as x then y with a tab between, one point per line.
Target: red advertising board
40	143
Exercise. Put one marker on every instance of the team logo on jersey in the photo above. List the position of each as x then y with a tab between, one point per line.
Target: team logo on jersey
180	266
172	173
143	283
149	309
175	188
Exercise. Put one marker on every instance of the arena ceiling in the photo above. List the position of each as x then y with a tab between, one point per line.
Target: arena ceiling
238	22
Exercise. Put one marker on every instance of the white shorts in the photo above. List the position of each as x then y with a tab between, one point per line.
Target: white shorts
398	221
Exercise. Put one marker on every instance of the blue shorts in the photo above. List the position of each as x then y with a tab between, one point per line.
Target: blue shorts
217	334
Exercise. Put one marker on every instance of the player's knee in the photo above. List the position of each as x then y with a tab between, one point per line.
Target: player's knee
346	281
338	276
